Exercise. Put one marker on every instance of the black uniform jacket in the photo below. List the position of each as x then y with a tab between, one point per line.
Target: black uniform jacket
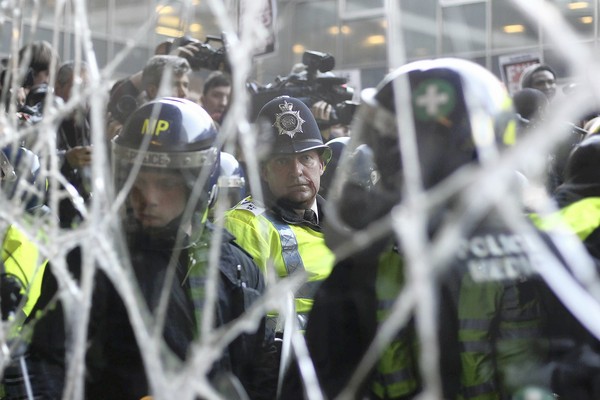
115	368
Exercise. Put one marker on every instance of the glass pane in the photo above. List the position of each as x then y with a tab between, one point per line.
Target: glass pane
579	15
365	42
510	28
362	5
463	28
323	31
418	21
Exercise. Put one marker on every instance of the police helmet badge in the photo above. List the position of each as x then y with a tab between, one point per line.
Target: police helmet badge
288	122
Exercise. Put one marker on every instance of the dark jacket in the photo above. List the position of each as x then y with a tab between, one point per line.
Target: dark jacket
115	369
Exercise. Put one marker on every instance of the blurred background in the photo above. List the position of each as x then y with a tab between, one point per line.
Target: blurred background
354	31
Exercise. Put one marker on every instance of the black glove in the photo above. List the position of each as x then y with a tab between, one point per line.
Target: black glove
576	373
10	295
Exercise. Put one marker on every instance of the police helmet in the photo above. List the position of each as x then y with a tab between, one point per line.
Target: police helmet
293	127
20	177
360	169
582	169
460	113
170	134
232	179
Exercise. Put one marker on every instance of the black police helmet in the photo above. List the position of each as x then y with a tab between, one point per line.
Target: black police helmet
170	134
294	127
583	165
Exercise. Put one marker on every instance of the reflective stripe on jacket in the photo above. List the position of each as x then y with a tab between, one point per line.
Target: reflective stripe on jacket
396	372
22	260
256	232
581	218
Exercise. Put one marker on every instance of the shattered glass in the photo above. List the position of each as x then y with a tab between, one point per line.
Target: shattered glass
99	233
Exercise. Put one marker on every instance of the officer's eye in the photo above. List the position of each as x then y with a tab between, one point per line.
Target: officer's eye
307	159
283	161
168	184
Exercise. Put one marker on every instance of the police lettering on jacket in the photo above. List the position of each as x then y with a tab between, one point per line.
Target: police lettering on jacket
497	257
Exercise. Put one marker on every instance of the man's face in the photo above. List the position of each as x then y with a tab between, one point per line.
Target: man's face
216	100
64	91
295	177
180	86
545	82
158	197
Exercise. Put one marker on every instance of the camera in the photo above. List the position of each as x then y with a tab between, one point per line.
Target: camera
122	107
310	87
207	56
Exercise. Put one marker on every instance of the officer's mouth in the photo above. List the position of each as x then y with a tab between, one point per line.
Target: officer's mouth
148	219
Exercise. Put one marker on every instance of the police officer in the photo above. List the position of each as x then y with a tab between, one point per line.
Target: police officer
177	169
491	316
21	183
285	230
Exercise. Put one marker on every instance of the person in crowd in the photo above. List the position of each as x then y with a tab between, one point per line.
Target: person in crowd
284	230
36	59
161	239
158	68
153	84
530	105
541	77
216	94
22	185
494	328
73	140
578	197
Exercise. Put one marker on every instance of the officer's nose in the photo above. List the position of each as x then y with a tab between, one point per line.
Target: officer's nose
297	167
148	196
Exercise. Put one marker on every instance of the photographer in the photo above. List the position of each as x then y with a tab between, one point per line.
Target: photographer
312	82
74	140
124	94
152	85
216	94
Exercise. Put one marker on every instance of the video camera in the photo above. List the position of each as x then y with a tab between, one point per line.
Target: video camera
308	87
207	56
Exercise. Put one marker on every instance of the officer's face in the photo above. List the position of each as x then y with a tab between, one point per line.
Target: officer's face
158	197
295	177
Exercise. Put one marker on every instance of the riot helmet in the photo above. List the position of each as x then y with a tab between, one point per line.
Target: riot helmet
170	134
461	115
293	128
232	180
582	169
360	169
20	178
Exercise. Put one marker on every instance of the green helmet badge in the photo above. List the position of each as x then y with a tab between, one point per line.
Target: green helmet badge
433	99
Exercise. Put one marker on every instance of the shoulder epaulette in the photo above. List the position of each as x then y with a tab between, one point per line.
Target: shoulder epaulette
249	205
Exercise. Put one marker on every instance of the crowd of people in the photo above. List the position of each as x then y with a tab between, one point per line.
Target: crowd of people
406	271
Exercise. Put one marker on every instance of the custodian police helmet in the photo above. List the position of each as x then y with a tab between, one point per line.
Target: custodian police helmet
170	133
293	126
